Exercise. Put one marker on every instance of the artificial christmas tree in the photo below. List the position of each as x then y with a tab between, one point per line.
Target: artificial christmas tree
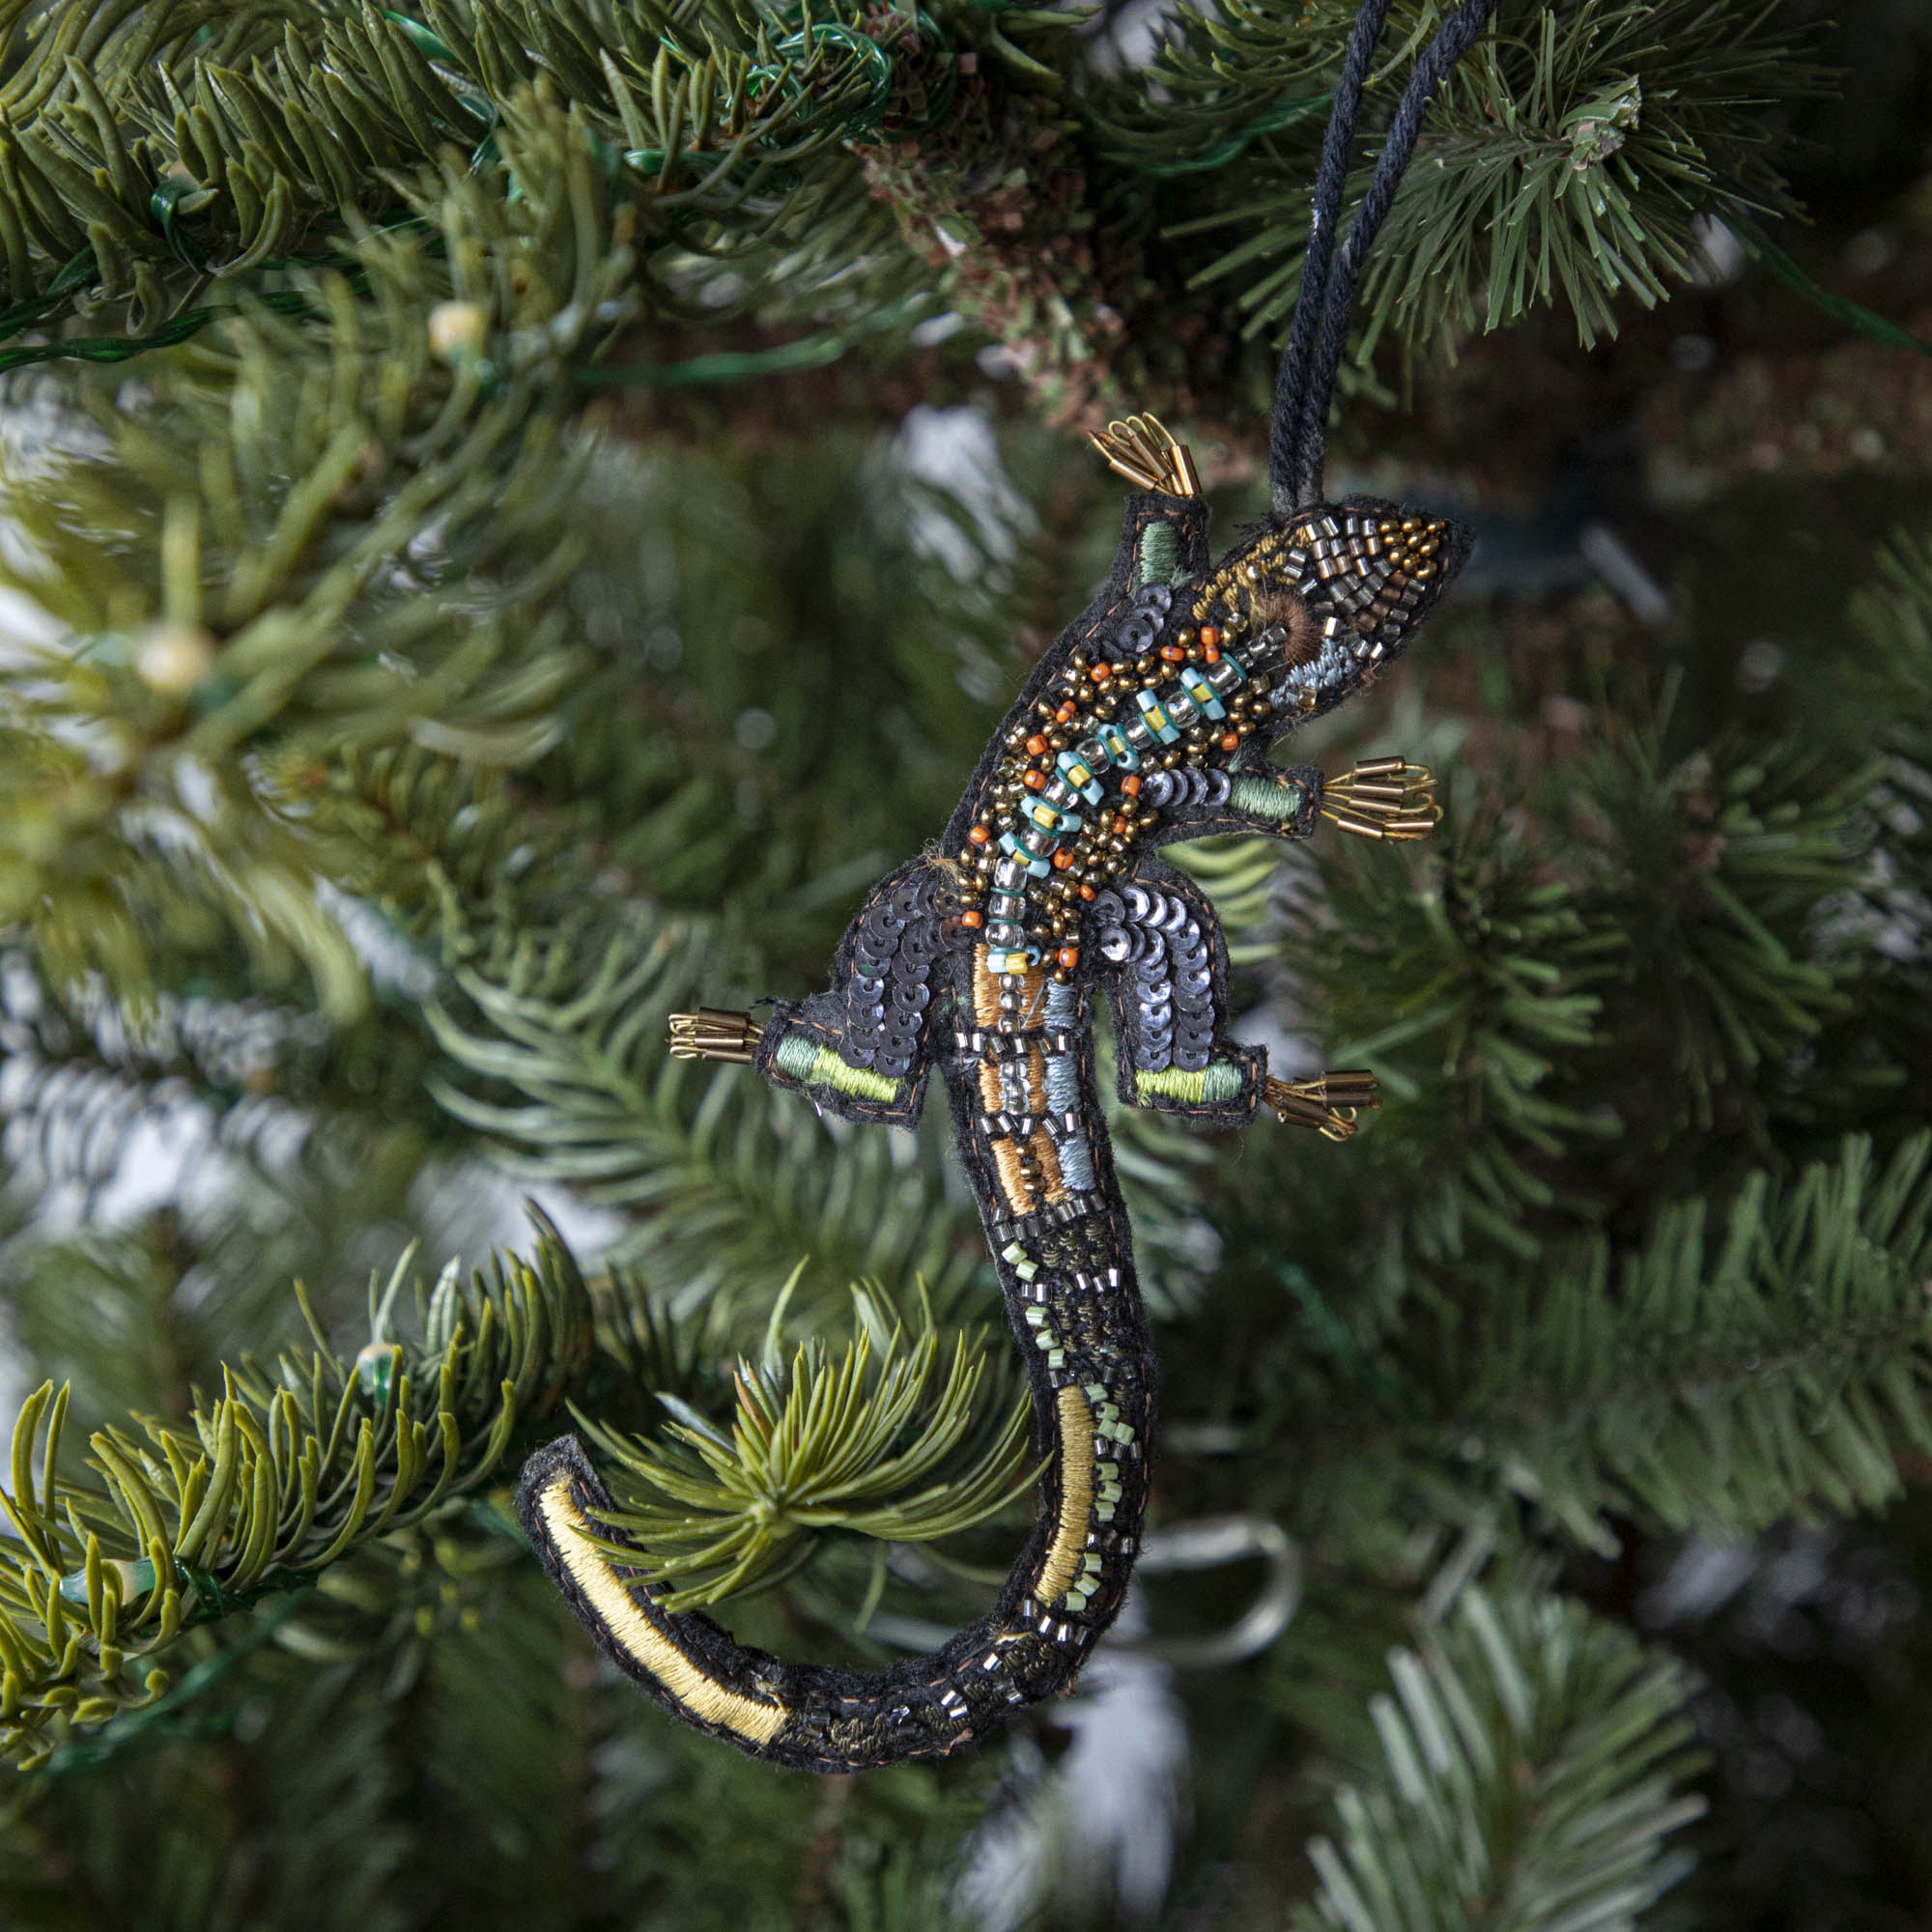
488	586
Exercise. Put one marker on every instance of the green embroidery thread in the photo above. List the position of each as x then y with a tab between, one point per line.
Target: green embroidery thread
1159	555
1221	1081
1265	798
819	1066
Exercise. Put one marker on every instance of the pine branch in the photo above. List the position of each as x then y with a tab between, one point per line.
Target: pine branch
803	659
455	856
262	610
309	1810
274	1481
1716	868
1560	1002
465	642
273	582
864	1442
721	139
1564	161
429	1647
1465	981
1219	78
276	134
1891	920
284	1096
1533	1757
1896	617
873	1853
1723	1374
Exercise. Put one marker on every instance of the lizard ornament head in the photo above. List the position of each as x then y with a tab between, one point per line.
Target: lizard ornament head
1318	603
1311	605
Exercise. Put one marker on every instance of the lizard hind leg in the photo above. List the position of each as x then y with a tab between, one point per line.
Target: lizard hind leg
1166	978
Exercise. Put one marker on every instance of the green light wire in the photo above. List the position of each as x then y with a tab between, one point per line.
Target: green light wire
878	69
811	352
122	348
23	315
1225	150
161	1722
1761	249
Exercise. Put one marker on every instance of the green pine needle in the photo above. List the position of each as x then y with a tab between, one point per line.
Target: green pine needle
1738	1366
873	1440
1533	1759
281	1475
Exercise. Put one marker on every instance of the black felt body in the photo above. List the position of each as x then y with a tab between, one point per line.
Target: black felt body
838	1719
901	996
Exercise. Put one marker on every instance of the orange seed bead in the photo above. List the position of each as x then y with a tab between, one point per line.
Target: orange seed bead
1036	746
1064	712
1100	673
1085	890
981	835
1231	740
1069	956
1211	637
1131	784
1062	859
976	920
1035	781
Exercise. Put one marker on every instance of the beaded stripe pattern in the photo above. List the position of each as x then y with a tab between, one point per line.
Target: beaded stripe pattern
1149	720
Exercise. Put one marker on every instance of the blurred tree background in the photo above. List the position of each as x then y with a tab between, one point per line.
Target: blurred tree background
515	514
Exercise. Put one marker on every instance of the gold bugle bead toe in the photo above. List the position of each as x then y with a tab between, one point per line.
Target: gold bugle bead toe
1341	1086
1293	1109
713	1034
1141	451
1383	798
1418	827
1349	821
1328	1102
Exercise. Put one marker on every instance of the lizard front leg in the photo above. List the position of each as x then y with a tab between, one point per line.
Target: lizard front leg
1164	540
1379	798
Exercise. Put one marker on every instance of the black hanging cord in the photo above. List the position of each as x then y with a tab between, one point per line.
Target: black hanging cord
1330	180
1299	439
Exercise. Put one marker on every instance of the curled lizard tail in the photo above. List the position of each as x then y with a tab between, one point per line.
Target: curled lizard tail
1063	1592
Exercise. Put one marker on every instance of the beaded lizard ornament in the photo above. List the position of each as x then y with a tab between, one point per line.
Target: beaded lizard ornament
1149	720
